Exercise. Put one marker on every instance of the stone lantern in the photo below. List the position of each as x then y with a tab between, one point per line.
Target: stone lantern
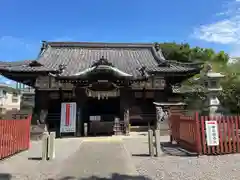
212	87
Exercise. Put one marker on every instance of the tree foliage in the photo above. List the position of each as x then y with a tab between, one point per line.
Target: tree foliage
184	53
230	96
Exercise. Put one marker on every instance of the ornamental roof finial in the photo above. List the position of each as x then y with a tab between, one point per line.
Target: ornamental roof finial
157	46
102	61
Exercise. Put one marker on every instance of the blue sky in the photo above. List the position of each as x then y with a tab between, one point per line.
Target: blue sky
205	23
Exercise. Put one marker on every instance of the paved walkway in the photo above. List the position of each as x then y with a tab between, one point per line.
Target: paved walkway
99	159
107	159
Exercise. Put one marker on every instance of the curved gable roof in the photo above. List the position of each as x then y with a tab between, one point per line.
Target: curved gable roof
77	56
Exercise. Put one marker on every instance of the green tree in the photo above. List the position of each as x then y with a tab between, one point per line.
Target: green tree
184	53
230	96
174	51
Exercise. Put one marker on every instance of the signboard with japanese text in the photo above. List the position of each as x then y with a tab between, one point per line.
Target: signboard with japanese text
68	117
212	133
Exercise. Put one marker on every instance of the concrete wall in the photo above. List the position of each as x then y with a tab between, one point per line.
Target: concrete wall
9	99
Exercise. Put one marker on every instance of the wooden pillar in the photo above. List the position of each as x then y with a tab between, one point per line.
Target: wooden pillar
81	99
61	100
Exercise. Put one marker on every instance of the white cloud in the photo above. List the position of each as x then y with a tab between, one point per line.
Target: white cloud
224	31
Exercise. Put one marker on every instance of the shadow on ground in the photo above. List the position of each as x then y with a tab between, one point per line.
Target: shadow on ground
170	149
5	176
34	159
114	177
174	150
142	134
140	155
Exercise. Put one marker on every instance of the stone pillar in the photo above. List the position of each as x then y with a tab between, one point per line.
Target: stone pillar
157	142
150	143
126	120
125	100
51	145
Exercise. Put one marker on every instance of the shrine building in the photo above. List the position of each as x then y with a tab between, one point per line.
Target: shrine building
82	86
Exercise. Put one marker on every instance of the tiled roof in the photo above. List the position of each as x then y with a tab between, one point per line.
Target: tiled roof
15	63
22	66
77	56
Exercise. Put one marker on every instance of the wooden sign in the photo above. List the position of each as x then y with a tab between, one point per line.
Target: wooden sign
212	133
102	94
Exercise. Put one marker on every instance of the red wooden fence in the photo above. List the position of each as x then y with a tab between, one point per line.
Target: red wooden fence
190	133
228	130
14	136
184	132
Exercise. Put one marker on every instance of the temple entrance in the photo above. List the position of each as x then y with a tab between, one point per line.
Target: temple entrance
108	108
101	114
54	116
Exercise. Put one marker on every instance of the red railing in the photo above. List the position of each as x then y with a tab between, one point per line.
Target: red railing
228	131
190	133
184	130
14	136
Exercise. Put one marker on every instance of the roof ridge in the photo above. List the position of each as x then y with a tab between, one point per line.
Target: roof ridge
99	44
15	63
157	54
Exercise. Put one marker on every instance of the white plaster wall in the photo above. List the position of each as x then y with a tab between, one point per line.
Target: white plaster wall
7	103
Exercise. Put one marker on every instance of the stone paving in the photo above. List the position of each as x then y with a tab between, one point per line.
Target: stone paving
103	159
123	158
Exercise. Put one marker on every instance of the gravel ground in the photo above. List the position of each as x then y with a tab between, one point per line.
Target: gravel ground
179	166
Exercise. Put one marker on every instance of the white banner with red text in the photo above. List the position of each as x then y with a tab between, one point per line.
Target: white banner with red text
68	117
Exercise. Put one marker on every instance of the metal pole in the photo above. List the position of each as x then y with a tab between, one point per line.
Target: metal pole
157	142
45	146
51	145
150	142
